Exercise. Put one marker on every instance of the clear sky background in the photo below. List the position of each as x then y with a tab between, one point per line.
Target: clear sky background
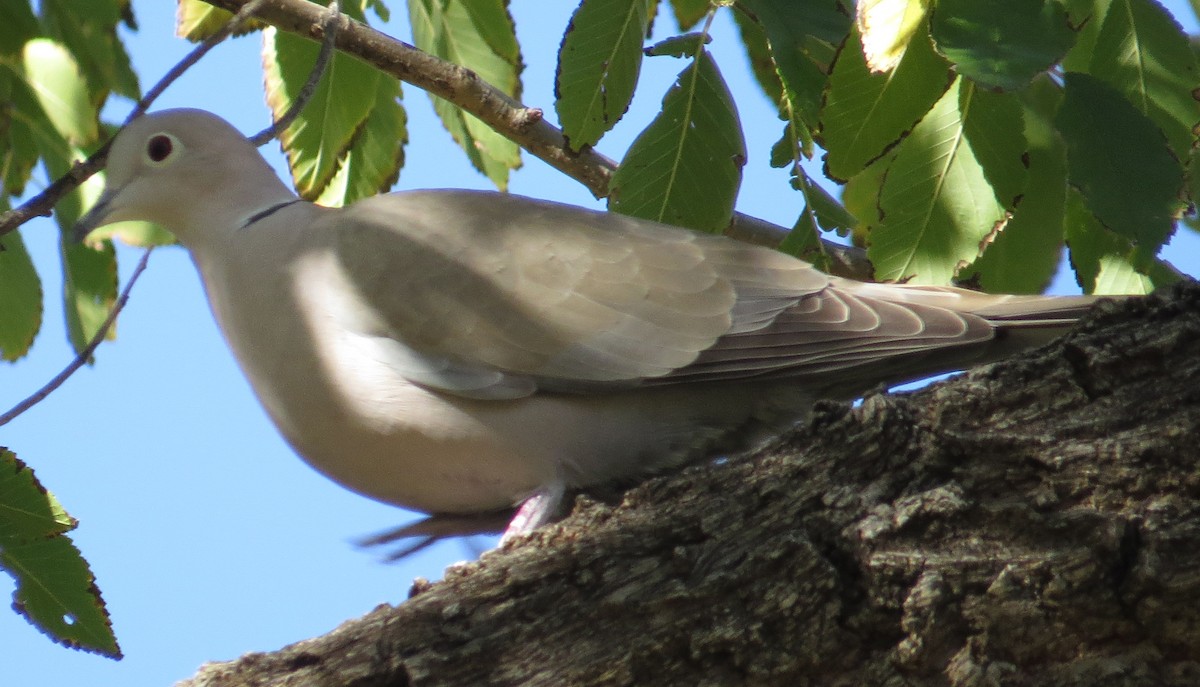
208	536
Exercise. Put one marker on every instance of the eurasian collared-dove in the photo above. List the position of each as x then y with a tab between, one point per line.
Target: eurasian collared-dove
460	352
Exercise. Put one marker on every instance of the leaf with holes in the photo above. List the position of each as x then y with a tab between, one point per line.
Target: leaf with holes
598	67
684	169
55	589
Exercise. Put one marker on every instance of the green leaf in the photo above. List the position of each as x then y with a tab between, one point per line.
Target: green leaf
1106	263
598	67
758	52
18	151
951	186
865	114
90	276
196	20
1025	255
327	124
688	13
56	81
56	590
20	298
684	169
1001	45
801	35
374	160
89	29
17	25
1143	53
448	29
860	196
886	26
684	45
1119	161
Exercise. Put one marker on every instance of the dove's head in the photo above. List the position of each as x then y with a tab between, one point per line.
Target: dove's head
187	170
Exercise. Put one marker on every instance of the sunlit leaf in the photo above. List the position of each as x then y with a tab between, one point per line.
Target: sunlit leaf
373	162
196	20
328	122
450	29
56	81
598	67
865	114
886	27
88	28
951	186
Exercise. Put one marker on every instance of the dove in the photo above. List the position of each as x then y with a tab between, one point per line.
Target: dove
462	353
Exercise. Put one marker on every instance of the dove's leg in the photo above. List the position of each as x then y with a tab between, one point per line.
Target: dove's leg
540	508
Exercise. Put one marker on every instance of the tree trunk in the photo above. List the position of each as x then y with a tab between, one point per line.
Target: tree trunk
1034	522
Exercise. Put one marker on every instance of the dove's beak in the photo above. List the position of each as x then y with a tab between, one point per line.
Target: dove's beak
96	217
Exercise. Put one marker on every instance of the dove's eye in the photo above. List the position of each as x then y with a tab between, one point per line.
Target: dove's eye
160	147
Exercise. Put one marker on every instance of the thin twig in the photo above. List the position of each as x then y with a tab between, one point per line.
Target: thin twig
329	26
43	203
87	351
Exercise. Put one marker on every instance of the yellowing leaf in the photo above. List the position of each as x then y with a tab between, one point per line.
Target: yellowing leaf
886	27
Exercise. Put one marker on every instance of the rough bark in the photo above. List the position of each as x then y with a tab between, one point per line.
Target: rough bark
1034	522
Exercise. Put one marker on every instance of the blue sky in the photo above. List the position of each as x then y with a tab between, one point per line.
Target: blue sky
209	538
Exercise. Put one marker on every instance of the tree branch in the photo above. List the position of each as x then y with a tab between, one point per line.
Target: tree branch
904	541
523	125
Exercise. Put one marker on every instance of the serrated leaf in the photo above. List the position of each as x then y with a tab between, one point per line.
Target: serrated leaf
951	186
801	36
1120	162
688	13
1025	255
886	26
1001	45
684	169
860	196
447	29
758	52
55	590
196	20
1106	263
17	25
373	162
89	29
865	114
326	125
58	84
90	276
1143	53
684	45
20	298
598	66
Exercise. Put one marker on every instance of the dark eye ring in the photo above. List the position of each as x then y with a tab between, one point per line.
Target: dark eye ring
159	147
